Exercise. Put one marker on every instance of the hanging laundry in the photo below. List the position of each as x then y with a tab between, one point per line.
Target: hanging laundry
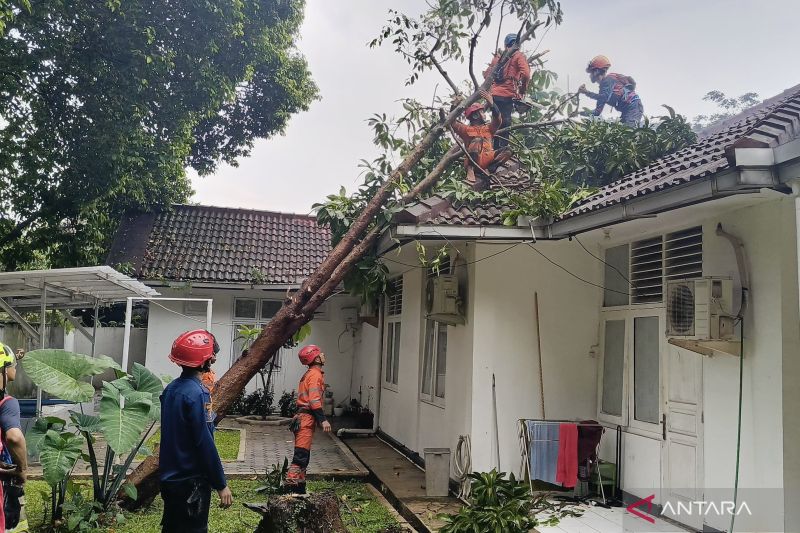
567	467
543	450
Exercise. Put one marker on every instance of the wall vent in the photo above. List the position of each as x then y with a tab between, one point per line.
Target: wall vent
394	300
684	254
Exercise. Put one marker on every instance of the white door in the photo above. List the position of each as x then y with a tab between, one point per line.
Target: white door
682	449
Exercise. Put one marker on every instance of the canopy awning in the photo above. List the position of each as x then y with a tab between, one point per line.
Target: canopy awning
67	288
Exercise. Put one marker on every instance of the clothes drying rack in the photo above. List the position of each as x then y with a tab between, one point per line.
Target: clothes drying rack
526	441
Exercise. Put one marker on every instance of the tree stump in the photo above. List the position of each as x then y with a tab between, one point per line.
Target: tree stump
314	513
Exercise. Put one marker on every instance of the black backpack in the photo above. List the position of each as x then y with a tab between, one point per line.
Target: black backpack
500	71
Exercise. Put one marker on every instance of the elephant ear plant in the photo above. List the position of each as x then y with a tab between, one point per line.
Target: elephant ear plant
129	408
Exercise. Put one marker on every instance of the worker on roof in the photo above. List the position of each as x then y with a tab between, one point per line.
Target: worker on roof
309	415
510	83
477	137
14	452
189	464
616	90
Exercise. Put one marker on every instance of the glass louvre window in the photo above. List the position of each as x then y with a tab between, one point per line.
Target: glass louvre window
647	271
269	308
394	311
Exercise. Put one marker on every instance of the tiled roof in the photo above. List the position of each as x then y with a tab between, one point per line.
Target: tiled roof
221	245
769	123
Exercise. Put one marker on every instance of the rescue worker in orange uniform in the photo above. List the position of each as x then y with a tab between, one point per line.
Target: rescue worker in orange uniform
616	90
510	84
309	415
477	137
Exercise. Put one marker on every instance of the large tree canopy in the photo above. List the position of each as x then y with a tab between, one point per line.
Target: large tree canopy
104	104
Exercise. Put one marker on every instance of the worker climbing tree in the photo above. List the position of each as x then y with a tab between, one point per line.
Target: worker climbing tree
442	40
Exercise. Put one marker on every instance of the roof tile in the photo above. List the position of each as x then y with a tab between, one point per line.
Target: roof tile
217	244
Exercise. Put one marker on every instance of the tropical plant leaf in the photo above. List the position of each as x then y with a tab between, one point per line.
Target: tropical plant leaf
123	417
35	435
59	453
62	373
87	423
146	381
130	491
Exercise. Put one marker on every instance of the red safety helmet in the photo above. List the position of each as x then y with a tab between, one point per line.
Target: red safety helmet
193	348
473	108
600	62
309	353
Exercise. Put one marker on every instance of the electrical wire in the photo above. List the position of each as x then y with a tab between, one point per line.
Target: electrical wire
574	275
739	422
603	261
463	466
466	263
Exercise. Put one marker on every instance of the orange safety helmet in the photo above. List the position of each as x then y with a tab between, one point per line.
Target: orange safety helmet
308	354
600	62
473	108
193	348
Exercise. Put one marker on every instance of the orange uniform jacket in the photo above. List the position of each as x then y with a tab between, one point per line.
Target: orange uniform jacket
516	69
484	132
309	393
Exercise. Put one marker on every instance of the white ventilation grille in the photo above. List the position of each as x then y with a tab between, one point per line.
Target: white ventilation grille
681	308
394	300
647	271
684	254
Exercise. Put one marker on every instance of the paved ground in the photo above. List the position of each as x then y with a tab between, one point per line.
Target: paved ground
617	519
266	446
403	483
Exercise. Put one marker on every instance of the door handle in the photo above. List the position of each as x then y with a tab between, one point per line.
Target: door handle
664	426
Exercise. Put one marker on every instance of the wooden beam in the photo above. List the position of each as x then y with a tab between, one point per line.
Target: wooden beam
708	348
75	322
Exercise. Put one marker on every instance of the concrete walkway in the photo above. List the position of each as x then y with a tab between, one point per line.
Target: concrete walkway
265	446
403	483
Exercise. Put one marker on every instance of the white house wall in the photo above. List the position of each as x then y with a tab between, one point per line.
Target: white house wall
505	342
330	335
415	423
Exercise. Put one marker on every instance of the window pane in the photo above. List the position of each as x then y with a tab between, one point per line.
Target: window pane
389	345
396	353
427	358
269	308
441	360
646	369
616	286
613	363
245	308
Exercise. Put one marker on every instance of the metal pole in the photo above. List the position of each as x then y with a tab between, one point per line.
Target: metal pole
94	326
208	315
126	341
42	342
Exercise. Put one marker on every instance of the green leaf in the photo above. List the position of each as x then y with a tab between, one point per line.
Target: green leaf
87	423
130	491
59	453
62	373
122	426
35	435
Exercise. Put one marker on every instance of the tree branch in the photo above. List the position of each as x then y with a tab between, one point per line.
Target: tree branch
444	75
474	41
533	125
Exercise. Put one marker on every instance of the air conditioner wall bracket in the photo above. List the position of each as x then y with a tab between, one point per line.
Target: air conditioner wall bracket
708	348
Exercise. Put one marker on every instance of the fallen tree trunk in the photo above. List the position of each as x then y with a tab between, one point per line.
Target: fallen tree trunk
298	309
315	513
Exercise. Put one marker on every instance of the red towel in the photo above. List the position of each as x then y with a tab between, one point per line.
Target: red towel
567	466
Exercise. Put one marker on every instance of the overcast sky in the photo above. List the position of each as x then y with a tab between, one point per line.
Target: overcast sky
677	50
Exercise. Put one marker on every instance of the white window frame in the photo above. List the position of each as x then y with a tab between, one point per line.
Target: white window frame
627	419
432	398
259	321
392	323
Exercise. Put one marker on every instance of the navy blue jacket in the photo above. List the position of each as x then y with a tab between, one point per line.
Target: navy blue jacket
615	91
187	440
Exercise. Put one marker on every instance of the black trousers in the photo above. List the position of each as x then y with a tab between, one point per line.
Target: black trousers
186	506
506	106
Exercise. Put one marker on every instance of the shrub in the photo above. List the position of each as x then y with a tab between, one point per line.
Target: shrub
288	404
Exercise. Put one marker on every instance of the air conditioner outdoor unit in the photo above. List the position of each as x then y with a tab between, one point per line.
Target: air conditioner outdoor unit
700	309
443	302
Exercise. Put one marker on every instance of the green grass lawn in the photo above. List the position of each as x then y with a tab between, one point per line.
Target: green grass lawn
227	442
362	513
